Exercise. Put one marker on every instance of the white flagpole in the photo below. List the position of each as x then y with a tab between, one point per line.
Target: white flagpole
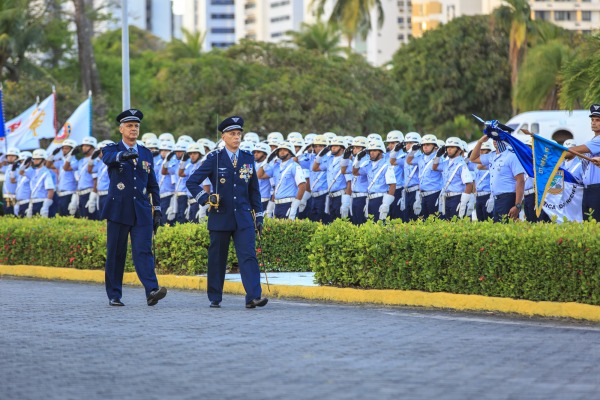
125	55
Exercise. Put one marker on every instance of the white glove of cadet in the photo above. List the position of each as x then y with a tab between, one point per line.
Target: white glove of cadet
187	211
489	205
270	209
462	206
471	205
29	212
384	208
304	200
46	208
92	202
291	214
346	204
417	206
74	204
16	209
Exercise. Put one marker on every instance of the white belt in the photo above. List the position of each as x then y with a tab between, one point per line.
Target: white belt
102	192
412	189
21	202
338	193
355	195
84	191
286	200
528	192
181	193
35	201
62	194
191	201
163	195
319	193
376	195
452	194
9	196
479	194
263	199
423	194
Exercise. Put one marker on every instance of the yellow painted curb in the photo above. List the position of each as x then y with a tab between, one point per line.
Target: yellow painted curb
385	297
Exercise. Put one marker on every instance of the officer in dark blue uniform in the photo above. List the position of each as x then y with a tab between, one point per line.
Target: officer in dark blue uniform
236	195
129	209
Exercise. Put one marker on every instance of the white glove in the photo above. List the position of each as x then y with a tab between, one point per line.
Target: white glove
355	163
462	206
46	208
417	206
270	209
291	214
201	214
471	205
304	200
489	205
16	209
384	208
92	202
74	204
346	204
29	212
403	201
187	212
172	210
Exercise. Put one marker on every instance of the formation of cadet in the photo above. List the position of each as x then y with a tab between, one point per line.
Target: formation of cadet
319	177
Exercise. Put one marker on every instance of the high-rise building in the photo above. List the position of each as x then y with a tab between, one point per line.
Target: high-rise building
430	14
575	15
154	16
215	18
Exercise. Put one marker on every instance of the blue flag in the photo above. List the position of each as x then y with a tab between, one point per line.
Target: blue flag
548	156
3	131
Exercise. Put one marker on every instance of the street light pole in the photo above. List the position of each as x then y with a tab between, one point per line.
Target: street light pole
125	55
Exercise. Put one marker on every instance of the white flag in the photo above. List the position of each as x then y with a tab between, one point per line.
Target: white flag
77	127
16	122
565	202
39	125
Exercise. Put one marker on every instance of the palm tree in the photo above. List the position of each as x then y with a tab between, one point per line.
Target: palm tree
352	16
320	37
189	47
580	77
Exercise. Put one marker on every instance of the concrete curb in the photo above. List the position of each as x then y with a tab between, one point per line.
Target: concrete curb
385	297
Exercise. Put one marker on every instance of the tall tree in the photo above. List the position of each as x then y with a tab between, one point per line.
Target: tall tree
320	37
90	79
581	76
190	47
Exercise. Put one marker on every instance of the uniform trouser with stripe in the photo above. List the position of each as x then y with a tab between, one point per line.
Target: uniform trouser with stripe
335	203
37	207
409	212
194	207
304	214
529	208
282	209
8	210
181	206
102	201
164	205
374	205
481	208
317	209
502	205
264	206
116	253
395	212
244	243
429	204
358	210
63	205
451	206
83	211
591	200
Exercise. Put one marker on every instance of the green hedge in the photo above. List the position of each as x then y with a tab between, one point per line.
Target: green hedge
181	249
519	260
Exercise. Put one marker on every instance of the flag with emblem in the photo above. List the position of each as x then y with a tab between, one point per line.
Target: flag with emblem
77	127
38	125
13	124
548	156
3	132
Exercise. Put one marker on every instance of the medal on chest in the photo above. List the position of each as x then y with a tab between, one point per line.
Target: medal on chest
246	172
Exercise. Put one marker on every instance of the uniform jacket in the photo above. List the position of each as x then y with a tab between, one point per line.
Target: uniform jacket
237	187
131	186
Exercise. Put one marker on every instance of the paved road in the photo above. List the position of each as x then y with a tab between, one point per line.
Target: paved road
62	341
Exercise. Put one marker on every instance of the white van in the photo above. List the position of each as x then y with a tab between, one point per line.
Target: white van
558	125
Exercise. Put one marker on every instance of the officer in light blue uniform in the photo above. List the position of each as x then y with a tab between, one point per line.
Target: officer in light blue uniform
8	187
23	189
591	172
180	189
289	182
66	182
338	184
430	181
484	203
410	190
236	197
165	183
360	183
261	151
132	210
456	197
41	184
101	178
302	149
85	179
393	143
195	151
318	183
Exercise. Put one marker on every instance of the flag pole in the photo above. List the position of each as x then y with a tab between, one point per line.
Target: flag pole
125	55
525	131
2	119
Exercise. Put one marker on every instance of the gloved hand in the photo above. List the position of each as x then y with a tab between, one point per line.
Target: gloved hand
399	146
129	154
471	205
46	208
291	214
185	157
29	212
201	214
172	210
26	163
155	153
489	204
16	165
441	151
270	209
462	206
170	155
304	200
384	208
417	205
259	225
76	151
92	202
361	155
271	156
156	220
415	147
346	204
347	153
74	204
325	150
16	209
187	211
95	154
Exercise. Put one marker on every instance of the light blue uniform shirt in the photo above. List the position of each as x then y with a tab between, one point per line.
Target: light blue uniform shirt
40	182
264	185
318	180
103	179
360	183
429	180
165	183
410	172
23	190
335	179
86	180
173	169
482	180
189	169
591	173
399	169
379	179
8	187
528	182
575	167
455	181
66	179
286	185
503	169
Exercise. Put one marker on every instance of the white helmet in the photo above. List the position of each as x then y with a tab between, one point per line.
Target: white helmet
412	137
166	136
140	143
294	135
195	148
440	143
247	146
166	145
394	136
288	146
349	138
69	142
251	137
148	136
13	151
376	145
429	139
275	136
150	143
186	138
262	146
207	143
297	142
320	140
570	143
274	142
329	136
24	155
374	136
308	139
465	145
360	141
338	141
90	141
105	143
220	144
488	145
39	153
453	142
181	146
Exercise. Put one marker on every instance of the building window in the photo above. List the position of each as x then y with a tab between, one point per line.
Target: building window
221	16
282	18
221	2
401	36
222	30
408	20
563	16
586	15
221	45
401	3
280	3
541	15
277	34
400	20
249	6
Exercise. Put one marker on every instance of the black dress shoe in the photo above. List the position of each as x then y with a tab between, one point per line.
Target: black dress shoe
259	302
116	303
215	304
156	295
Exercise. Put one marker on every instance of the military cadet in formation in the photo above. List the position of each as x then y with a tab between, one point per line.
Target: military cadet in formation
360	183
408	200
187	167
23	188
393	141
261	151
165	183
101	178
337	203
318	182
484	203
42	185
85	180
67	182
176	209
430	182
9	187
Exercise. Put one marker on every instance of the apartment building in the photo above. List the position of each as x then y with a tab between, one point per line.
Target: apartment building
576	15
154	16
216	18
428	14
